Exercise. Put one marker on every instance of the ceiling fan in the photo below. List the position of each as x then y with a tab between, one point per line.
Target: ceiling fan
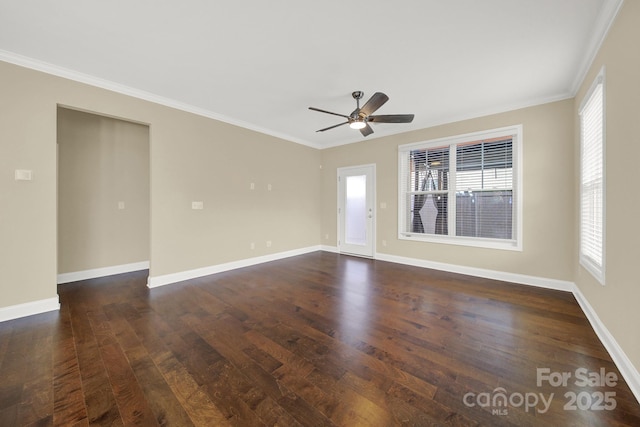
361	117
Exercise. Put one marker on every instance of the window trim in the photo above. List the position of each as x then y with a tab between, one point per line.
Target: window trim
514	244
597	271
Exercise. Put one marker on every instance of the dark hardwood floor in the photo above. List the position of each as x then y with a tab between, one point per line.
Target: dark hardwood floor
315	340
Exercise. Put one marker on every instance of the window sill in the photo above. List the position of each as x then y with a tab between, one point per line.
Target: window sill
595	270
507	245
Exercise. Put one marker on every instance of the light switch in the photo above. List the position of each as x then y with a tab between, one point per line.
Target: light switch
23	175
120	205
197	205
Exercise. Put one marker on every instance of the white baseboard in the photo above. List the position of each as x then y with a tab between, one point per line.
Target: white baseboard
168	279
29	308
326	248
101	272
523	279
626	368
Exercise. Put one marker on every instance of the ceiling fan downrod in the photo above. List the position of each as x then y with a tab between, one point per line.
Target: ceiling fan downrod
357	95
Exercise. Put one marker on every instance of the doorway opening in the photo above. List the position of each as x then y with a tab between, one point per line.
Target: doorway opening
103	195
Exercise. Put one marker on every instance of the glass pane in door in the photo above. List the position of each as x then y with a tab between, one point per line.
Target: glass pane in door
356	210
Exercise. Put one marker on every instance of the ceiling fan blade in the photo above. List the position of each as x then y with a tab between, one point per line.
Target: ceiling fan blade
328	112
331	127
375	102
391	118
366	130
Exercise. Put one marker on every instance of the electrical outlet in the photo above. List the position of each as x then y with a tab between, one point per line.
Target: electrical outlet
252	245
120	205
197	205
268	243
252	186
269	187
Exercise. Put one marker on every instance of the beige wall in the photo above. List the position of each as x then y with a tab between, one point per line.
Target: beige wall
616	303
209	161
548	179
101	162
192	158
27	208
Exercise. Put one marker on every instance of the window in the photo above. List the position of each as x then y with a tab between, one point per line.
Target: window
592	137
463	190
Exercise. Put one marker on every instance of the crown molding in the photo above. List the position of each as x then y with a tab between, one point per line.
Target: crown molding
601	27
48	68
606	17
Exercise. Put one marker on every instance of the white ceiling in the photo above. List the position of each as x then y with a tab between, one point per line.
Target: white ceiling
260	64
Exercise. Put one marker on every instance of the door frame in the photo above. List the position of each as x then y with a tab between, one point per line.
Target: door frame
370	170
67	277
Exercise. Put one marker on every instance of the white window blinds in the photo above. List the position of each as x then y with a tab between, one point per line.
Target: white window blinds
592	181
484	180
462	189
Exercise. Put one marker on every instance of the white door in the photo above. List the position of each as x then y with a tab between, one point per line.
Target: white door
356	210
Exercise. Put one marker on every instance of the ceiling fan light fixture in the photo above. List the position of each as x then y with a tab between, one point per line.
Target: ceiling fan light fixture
357	124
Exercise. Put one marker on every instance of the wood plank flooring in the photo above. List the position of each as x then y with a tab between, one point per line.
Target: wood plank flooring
315	340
